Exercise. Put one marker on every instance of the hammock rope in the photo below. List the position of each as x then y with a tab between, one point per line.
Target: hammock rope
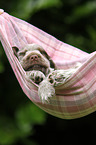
77	96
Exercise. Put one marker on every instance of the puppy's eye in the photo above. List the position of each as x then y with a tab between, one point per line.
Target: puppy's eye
22	53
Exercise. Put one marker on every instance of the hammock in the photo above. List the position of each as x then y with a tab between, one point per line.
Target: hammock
77	96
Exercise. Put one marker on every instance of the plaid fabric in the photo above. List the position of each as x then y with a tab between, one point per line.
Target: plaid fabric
77	96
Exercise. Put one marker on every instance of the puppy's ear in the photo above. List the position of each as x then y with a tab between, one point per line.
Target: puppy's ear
52	64
15	50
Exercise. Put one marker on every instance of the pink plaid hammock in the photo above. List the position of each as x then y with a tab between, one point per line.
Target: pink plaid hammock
77	96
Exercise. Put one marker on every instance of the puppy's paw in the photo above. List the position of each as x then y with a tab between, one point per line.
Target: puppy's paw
56	77
35	76
59	77
46	91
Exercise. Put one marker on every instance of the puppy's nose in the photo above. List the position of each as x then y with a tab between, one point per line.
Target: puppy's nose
33	57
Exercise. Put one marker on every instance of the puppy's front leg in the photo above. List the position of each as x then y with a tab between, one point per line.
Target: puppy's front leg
58	77
46	91
35	76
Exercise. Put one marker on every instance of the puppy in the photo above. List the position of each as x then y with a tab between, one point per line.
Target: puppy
41	69
35	61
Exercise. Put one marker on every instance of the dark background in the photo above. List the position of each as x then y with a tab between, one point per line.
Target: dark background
23	123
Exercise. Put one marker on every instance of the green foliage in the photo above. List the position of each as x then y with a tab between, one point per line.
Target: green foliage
1	67
29	115
22	125
26	8
1	62
72	21
83	11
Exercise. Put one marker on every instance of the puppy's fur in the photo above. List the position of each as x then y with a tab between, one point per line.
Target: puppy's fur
41	69
35	61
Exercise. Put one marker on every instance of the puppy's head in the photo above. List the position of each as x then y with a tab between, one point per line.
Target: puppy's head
34	57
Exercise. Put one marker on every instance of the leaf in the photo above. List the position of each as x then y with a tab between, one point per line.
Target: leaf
29	115
82	11
26	8
8	131
1	67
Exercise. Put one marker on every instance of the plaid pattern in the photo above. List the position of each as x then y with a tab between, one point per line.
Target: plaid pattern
77	96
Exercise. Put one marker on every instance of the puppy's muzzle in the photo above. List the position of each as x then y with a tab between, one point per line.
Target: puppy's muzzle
34	58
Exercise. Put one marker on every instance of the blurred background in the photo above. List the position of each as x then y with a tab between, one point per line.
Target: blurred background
21	122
